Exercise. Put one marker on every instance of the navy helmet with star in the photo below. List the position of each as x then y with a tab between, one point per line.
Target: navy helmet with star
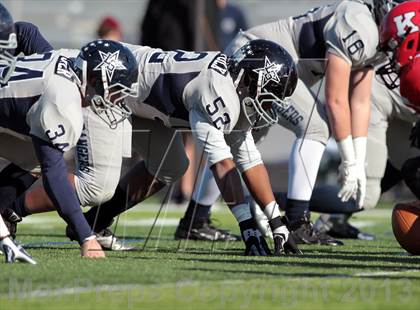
265	76
107	72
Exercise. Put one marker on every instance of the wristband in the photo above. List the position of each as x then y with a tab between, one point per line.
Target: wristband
360	148
89	238
346	149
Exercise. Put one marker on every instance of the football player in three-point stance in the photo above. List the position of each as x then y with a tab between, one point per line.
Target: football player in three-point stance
334	40
47	93
391	120
93	185
8	45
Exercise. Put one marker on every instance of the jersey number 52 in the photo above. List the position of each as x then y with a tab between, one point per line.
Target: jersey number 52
217	113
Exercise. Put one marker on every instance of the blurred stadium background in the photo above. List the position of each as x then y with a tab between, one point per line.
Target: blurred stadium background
71	23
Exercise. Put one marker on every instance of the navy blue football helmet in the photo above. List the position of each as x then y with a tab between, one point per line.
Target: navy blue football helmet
265	76
107	73
8	44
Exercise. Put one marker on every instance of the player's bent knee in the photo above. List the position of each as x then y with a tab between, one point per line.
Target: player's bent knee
101	197
94	195
169	174
373	193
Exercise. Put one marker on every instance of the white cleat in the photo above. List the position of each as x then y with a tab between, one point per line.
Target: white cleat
14	252
110	242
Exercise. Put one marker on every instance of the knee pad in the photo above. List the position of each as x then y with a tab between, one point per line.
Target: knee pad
93	193
373	193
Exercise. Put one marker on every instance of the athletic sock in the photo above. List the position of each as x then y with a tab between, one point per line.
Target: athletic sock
296	209
241	212
201	211
18	206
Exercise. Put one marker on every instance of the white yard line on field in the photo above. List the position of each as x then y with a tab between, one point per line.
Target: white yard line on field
51	292
384	273
362	219
47	222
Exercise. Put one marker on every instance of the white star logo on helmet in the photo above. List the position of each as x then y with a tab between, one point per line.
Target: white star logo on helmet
110	63
269	72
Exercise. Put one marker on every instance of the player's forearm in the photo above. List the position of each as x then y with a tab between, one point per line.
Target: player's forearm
339	117
360	98
59	189
229	182
337	78
64	198
360	115
258	183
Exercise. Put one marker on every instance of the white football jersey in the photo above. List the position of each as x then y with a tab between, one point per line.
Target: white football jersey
40	99
346	28
171	84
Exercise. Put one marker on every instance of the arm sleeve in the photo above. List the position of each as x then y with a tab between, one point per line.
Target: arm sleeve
59	189
244	150
30	40
209	137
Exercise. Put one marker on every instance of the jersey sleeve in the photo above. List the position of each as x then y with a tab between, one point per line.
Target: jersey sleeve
217	100
352	34
30	40
243	148
57	116
211	139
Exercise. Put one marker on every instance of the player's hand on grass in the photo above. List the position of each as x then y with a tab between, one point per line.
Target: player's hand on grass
255	244
92	249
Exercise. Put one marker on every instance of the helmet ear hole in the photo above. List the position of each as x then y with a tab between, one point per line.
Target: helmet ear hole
410	44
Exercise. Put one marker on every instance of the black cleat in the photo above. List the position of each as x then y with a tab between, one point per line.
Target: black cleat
303	232
282	247
11	219
255	244
203	230
339	227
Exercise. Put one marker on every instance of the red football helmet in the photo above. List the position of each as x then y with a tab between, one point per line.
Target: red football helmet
400	30
399	38
410	82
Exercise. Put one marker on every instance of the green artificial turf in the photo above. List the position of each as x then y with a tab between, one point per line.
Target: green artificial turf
167	274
